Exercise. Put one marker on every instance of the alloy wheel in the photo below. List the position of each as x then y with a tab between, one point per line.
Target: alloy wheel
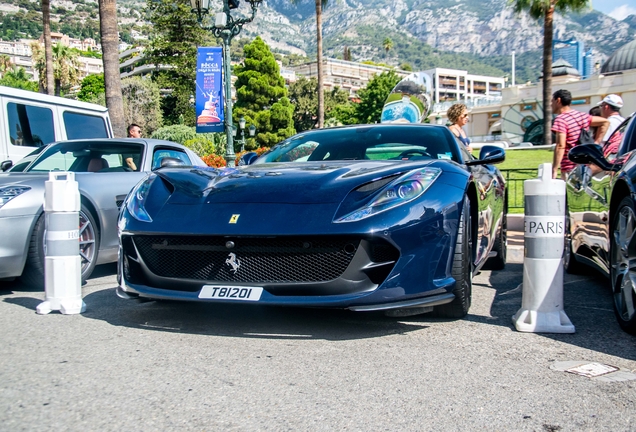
624	263
87	245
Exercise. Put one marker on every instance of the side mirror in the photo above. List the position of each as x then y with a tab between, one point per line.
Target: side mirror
489	155
248	158
591	153
171	162
6	165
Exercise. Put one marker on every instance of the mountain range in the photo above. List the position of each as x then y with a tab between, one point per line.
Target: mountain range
483	31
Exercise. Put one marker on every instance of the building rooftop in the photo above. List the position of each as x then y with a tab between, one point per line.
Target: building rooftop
623	58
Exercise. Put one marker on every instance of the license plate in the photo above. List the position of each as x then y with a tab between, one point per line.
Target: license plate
231	292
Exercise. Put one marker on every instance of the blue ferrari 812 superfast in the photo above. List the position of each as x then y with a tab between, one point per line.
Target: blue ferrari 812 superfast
392	217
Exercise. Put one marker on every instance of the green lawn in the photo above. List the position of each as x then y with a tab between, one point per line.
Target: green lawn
522	159
520	165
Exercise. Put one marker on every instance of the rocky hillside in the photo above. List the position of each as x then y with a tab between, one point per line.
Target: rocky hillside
481	27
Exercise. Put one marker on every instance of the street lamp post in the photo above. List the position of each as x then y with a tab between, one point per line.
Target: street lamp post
242	126
225	27
252	131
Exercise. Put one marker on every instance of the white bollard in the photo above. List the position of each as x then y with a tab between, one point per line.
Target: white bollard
544	231
62	263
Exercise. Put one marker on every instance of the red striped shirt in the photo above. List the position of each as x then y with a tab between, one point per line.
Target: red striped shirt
570	123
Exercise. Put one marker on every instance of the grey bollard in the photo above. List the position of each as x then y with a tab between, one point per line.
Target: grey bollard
544	233
62	263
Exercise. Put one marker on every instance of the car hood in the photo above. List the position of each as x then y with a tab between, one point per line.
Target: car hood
29	179
297	183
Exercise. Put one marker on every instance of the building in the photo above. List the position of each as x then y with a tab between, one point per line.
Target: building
452	85
572	52
87	44
19	53
349	76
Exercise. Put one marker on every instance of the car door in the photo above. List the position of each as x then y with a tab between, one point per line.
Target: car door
588	191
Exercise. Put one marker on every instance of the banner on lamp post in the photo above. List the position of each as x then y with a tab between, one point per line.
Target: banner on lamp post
209	94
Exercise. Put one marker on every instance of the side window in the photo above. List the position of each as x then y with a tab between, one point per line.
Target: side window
161	153
619	141
30	125
83	126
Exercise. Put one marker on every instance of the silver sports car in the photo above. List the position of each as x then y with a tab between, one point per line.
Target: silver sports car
106	170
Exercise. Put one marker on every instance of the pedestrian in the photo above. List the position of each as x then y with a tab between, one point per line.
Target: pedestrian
134	131
611	110
458	117
568	125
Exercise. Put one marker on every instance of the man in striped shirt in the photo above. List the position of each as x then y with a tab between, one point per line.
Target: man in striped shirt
568	125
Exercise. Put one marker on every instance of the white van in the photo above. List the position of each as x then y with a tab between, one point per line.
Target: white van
29	120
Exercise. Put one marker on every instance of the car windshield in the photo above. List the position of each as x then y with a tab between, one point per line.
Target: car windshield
87	157
381	142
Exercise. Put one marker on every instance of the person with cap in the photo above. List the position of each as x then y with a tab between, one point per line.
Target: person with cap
610	109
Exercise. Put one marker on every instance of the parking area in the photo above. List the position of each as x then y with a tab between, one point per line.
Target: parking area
129	365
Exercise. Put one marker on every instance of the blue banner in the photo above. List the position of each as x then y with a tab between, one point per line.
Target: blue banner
209	101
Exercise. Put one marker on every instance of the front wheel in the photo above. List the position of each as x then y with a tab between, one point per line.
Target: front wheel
623	265
462	270
33	273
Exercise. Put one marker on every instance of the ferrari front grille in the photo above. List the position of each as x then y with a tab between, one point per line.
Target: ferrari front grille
250	259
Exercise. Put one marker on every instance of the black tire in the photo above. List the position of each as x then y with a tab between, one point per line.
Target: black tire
500	246
33	273
623	265
462	270
570	264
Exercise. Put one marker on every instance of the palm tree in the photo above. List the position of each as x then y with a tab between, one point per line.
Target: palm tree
110	57
65	67
320	4
388	45
544	9
48	83
5	64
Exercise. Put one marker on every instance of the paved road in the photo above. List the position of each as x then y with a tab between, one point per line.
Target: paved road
125	365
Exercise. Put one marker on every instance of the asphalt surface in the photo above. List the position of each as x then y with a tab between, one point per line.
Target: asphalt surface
148	366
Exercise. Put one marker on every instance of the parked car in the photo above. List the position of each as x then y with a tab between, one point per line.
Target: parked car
31	120
368	217
601	217
104	180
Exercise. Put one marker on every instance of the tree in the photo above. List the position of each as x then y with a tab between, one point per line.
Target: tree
175	38
320	4
142	103
5	64
65	67
303	96
388	45
48	83
18	78
91	88
261	96
373	96
110	58
544	9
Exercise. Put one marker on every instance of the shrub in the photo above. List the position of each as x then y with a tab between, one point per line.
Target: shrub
175	133
201	145
214	160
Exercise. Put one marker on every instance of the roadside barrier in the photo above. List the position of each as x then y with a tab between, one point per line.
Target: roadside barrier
62	263
544	230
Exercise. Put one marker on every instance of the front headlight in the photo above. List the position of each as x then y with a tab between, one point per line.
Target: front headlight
7	193
402	190
136	201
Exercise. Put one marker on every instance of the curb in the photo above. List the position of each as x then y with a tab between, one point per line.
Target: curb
515	254
514	222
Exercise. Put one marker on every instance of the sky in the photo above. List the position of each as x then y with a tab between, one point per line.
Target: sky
617	9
